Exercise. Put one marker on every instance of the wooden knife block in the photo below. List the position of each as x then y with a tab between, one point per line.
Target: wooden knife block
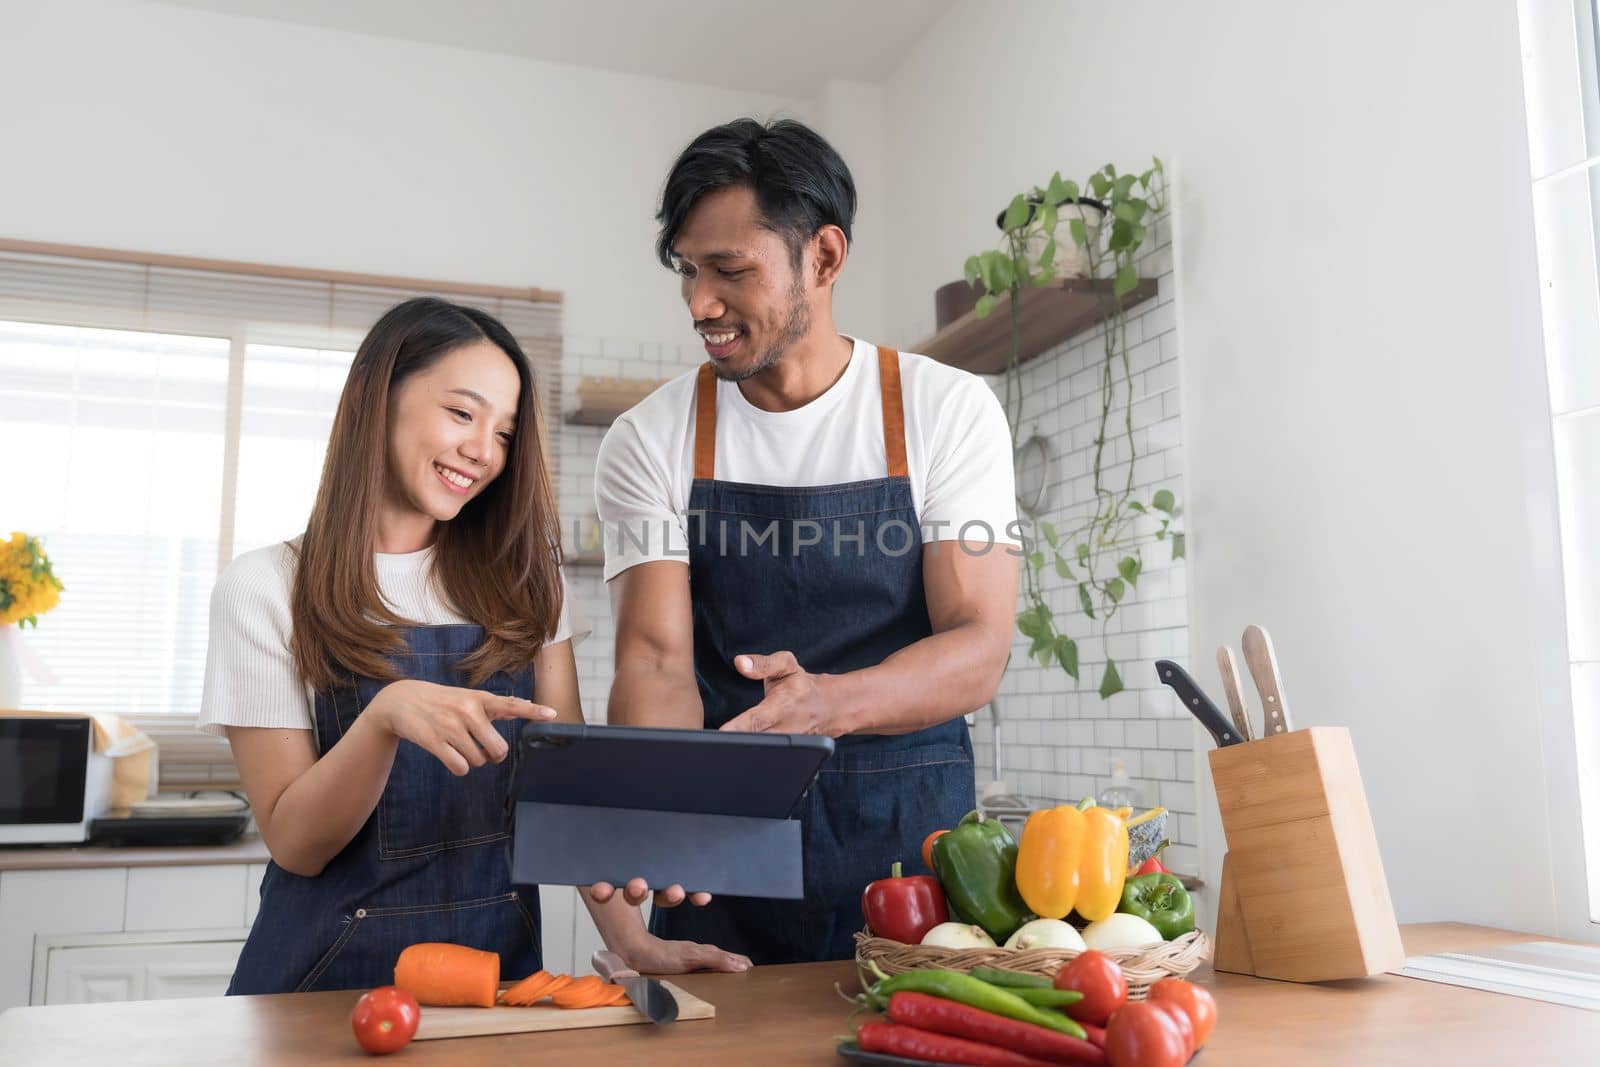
1303	896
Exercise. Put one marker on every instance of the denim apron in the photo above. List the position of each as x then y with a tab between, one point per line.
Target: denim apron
832	573
430	864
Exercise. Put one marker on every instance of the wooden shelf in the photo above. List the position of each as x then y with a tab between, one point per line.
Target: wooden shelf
592	416
601	400
1049	315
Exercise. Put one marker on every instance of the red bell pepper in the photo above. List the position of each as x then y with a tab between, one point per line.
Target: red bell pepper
903	909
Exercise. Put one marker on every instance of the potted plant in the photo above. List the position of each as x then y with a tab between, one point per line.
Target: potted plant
1102	551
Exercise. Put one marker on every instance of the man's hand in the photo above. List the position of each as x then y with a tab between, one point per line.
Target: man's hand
651	955
795	702
637	891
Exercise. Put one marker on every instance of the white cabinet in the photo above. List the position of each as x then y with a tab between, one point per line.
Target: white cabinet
88	969
122	933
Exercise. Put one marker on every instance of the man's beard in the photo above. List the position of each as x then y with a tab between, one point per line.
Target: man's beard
796	324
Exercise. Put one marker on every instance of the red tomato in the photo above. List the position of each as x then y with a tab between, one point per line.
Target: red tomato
384	1019
1153	865
1099	978
1144	1035
1196	1002
1180	1019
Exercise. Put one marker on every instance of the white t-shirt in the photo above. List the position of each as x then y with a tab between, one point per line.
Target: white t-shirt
250	673
958	454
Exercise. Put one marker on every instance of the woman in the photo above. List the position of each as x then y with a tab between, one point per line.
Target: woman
373	676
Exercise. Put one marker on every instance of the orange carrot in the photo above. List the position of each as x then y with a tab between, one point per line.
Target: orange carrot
586	992
448	975
516	993
532	989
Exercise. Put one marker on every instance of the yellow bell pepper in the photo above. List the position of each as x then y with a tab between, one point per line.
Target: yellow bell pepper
1072	859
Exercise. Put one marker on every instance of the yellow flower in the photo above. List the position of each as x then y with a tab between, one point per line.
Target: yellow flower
28	587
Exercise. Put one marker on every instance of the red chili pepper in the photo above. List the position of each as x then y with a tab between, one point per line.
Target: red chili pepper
962	1020
1096	1035
914	1044
903	909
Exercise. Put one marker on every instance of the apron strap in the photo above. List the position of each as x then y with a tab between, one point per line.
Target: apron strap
705	424
894	412
894	418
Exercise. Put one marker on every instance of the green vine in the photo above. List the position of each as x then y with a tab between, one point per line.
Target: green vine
1105	557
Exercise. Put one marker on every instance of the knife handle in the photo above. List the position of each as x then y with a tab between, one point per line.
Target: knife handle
610	966
1263	663
1229	669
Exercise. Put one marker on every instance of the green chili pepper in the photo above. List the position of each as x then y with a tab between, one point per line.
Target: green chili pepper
1047	998
1010	979
974	992
1160	900
977	864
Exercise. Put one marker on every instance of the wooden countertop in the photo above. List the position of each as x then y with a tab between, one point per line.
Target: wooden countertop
247	849
780	1016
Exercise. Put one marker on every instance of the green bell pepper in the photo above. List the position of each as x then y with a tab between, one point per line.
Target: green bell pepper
1160	900
977	865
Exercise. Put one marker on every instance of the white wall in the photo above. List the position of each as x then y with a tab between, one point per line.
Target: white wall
158	128
1367	435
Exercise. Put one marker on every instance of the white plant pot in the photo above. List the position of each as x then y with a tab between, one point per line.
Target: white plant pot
1071	261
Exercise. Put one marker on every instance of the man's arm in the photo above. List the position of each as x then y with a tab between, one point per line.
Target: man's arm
653	684
972	602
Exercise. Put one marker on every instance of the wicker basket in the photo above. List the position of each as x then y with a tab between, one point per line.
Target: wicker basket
1142	967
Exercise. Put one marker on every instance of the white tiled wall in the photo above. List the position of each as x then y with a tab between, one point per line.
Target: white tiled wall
1058	738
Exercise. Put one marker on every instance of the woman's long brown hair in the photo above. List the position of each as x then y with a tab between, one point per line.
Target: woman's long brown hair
497	562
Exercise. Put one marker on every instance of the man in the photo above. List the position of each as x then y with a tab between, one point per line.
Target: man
782	531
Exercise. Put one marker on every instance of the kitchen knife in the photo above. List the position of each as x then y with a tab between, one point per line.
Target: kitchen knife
647	994
1263	664
1230	685
1198	704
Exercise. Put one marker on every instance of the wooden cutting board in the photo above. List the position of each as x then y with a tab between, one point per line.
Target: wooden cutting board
476	1022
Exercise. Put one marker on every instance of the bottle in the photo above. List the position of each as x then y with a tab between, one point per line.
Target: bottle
1120	793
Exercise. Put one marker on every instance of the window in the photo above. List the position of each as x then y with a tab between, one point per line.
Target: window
1559	65
122	434
162	417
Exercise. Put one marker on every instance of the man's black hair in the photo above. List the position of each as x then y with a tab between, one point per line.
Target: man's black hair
799	181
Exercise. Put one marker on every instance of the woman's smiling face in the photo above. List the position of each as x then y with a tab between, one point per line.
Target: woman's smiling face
450	430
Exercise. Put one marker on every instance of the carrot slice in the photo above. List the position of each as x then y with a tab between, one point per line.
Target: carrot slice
586	992
515	993
448	975
535	994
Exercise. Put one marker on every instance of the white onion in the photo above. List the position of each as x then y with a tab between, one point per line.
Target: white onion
1045	933
957	935
1121	931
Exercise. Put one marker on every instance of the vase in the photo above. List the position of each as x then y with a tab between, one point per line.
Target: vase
10	670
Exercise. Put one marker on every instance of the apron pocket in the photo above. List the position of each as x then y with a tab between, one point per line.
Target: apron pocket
426	809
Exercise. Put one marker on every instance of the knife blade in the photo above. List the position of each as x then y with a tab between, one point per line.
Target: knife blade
647	994
1229	669
1197	703
1263	663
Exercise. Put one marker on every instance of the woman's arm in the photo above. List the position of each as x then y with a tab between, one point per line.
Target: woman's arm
308	809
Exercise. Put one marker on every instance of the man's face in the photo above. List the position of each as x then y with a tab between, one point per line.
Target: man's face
747	300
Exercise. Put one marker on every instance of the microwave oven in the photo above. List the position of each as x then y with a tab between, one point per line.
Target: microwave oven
53	783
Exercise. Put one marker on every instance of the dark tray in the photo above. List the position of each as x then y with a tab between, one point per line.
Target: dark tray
161	830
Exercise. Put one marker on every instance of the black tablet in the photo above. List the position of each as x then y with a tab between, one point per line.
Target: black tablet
706	772
699	808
